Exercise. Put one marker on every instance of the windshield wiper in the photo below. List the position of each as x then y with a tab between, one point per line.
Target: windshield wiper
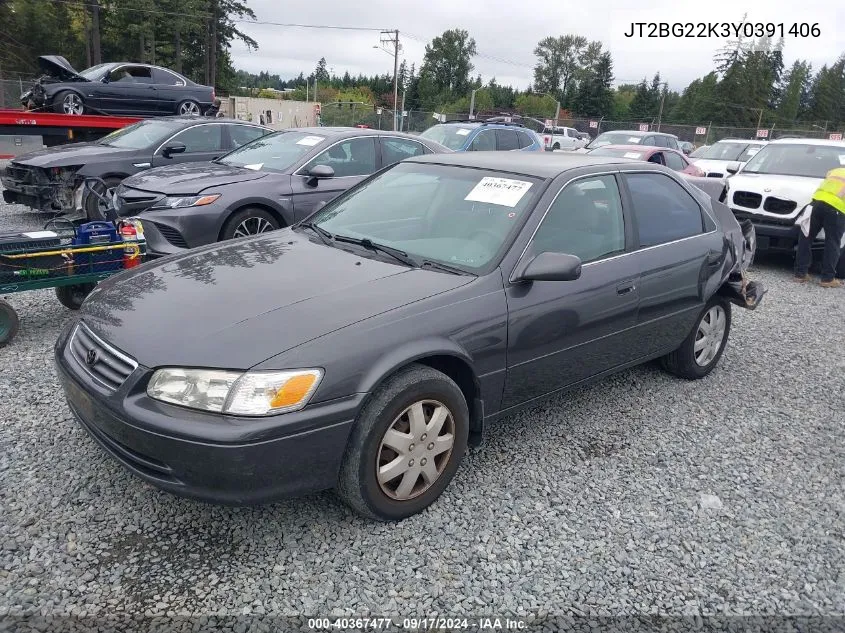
322	233
367	243
427	263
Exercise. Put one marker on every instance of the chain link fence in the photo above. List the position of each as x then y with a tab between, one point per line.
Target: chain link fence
12	89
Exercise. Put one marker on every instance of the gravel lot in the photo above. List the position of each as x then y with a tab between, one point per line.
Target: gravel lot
640	495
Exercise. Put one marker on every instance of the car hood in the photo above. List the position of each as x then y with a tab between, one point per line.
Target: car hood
709	163
58	67
191	178
797	188
238	303
73	154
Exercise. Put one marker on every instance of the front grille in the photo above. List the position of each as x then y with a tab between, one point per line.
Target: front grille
715	174
21	173
782	207
747	199
102	362
171	235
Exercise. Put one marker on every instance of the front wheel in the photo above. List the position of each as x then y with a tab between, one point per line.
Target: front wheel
9	323
406	446
249	222
72	297
95	206
68	102
702	349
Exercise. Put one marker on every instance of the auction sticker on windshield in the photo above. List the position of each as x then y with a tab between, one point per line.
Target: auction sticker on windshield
634	139
310	140
632	154
502	191
462	131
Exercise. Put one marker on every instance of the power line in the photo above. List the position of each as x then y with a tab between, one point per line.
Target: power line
104	7
311	26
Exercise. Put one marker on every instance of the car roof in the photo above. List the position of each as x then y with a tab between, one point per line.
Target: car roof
638	133
347	131
741	140
635	148
808	141
537	164
187	118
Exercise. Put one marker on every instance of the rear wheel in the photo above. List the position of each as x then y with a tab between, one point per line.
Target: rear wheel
556	146
840	267
68	102
406	446
702	349
9	323
72	297
189	108
250	221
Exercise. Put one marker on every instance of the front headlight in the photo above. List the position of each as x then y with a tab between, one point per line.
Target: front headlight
253	393
183	202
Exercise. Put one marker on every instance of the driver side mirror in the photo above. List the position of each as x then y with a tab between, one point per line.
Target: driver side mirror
319	172
733	167
550	267
173	148
106	79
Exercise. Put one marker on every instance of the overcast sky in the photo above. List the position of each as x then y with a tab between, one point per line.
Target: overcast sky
506	33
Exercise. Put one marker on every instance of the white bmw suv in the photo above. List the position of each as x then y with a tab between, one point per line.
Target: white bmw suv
715	159
776	183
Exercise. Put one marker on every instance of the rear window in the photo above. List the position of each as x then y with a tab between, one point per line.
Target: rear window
615	138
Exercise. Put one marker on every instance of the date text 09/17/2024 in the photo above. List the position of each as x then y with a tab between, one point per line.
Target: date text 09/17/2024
418	624
733	30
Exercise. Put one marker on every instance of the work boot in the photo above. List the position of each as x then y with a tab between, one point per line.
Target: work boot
833	283
801	278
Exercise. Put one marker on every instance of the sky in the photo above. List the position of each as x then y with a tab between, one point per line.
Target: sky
506	33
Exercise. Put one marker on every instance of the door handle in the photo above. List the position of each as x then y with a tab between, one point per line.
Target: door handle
625	288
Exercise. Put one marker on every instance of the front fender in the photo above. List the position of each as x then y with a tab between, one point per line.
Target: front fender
737	288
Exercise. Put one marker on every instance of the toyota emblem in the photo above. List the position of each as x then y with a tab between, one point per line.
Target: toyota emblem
91	357
767	189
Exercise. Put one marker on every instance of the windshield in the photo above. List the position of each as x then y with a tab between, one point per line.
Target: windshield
452	136
274	152
730	151
140	135
615	138
451	215
95	72
699	152
812	161
619	153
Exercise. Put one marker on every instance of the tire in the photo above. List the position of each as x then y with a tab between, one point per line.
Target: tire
9	323
686	362
72	297
189	107
414	388
68	102
91	203
249	221
555	146
840	267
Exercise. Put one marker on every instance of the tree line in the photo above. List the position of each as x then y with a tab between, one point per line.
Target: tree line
747	86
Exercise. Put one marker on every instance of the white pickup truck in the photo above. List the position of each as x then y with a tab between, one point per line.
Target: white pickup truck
563	138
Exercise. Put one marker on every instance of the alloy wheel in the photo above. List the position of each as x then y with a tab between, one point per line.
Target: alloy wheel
72	104
189	108
252	226
415	450
710	334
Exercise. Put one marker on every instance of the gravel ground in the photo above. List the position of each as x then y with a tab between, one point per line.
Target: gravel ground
640	495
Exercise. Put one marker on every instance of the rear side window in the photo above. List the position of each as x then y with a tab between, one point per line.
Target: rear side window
484	141
663	210
524	140
394	150
166	78
506	140
131	74
673	161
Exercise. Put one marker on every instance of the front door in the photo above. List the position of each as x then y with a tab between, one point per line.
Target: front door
562	332
130	90
203	142
352	160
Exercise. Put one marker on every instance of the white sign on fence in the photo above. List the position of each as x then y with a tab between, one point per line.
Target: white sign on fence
762	133
404	113
700	131
643	127
594	124
835	136
508	119
549	123
378	111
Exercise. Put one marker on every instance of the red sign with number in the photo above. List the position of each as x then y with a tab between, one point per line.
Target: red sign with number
835	137
643	127
762	133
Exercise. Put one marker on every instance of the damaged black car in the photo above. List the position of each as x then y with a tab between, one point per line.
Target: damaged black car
115	88
51	179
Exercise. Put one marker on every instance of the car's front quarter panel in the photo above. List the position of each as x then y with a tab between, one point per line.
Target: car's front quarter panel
468	322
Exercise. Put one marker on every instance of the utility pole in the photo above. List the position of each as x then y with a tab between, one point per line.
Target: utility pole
662	99
392	37
557	112
472	104
402	120
759	118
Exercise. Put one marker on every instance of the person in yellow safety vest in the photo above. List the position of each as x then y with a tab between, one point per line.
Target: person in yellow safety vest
829	214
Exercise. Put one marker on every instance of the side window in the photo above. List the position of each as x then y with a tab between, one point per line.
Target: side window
663	210
201	138
166	78
131	74
657	157
673	161
243	134
395	149
524	140
506	140
352	157
571	133
584	220
484	141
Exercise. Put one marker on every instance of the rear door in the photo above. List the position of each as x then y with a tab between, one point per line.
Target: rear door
203	142
352	159
563	332
677	251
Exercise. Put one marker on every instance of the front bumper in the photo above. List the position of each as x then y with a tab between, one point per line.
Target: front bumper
775	235
220	459
24	185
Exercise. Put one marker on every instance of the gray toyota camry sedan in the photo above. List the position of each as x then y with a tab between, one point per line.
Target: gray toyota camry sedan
364	348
